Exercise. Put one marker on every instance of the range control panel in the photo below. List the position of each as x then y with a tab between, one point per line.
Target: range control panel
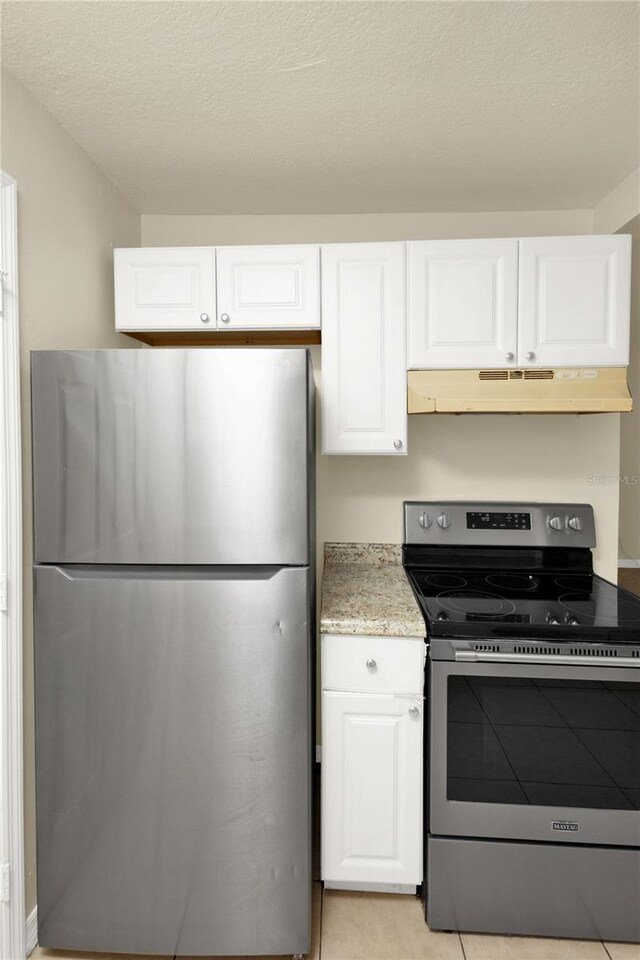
462	523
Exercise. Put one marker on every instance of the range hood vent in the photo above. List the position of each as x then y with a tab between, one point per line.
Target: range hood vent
516	374
566	390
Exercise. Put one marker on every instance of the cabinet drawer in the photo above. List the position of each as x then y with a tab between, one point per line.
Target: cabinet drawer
395	664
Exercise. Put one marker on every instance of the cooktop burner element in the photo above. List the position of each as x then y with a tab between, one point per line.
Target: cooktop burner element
476	604
513	581
445	580
481	573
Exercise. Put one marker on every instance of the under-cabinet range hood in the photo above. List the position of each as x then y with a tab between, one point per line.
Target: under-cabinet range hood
567	390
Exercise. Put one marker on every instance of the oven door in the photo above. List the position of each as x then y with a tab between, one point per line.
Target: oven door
535	752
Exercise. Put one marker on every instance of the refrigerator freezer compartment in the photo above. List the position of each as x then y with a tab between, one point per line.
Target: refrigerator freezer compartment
171	456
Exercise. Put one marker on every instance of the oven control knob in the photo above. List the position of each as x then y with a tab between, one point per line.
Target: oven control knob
443	615
552	619
556	523
573	621
444	521
424	520
575	523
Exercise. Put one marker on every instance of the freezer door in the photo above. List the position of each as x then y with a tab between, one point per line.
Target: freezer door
173	761
171	456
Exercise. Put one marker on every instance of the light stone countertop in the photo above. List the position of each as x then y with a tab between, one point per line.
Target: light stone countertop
365	592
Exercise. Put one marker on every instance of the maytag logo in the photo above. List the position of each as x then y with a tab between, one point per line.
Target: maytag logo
569	825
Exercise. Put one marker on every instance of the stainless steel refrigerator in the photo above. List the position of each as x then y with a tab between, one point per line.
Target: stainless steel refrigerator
173	548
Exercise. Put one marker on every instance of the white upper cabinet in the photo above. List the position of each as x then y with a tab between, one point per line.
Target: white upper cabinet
164	288
462	303
534	302
364	399
265	288
258	288
574	301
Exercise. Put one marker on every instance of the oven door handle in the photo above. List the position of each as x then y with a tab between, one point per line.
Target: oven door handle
474	656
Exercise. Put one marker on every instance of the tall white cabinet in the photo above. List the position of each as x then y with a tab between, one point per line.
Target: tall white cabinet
372	745
363	348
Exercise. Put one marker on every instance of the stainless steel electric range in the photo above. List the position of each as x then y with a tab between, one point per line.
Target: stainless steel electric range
533	746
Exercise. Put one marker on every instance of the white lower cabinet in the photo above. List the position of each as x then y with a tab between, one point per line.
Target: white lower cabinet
372	748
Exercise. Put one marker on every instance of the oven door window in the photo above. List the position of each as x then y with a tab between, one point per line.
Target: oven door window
544	742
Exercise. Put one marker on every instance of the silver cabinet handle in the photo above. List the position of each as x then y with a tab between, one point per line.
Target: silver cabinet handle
225	318
414	711
371	664
204	317
530	355
397	444
509	356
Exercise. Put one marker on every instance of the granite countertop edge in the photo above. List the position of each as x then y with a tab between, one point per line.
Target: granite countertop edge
365	592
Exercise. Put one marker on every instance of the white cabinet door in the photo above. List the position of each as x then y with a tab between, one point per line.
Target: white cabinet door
364	380
371	788
268	288
462	303
574	301
164	288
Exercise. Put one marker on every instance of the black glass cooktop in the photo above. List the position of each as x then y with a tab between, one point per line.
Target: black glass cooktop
489	603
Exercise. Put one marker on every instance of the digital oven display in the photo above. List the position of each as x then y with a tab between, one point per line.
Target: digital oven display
498	521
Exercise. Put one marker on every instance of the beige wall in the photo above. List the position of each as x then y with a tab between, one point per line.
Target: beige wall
630	423
69	219
162	231
454	457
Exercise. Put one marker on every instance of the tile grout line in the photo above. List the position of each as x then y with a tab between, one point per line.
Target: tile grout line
464	952
606	950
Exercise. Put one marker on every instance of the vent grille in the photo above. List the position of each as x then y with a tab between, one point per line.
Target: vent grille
549	651
593	652
487	647
539	374
516	375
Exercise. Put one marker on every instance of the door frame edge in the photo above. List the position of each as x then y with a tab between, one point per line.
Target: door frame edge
11	672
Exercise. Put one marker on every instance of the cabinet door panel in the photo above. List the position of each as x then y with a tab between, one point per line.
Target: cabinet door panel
364	401
462	303
275	287
574	301
164	288
371	789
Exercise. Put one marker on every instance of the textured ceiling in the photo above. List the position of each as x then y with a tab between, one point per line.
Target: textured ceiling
298	107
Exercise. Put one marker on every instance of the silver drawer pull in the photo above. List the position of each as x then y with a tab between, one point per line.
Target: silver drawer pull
414	712
371	664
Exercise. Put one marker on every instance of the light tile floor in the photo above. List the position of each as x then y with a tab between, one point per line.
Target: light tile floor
369	926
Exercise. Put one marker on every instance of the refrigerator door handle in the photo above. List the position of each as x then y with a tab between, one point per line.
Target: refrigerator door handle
75	571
